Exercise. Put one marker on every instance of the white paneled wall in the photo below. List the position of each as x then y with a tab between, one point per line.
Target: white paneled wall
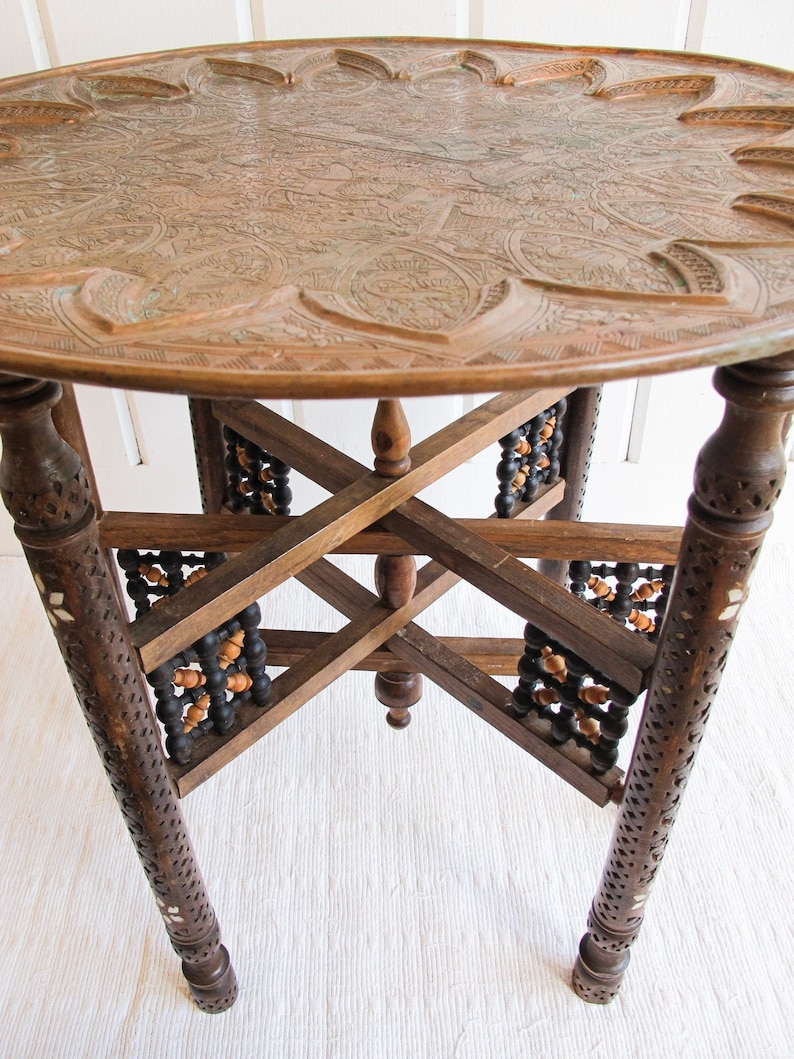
38	33
661	24
73	32
94	28
760	31
357	18
18	39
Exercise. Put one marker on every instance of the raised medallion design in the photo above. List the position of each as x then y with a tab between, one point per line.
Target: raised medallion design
279	214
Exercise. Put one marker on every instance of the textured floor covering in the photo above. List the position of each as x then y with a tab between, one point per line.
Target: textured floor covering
411	895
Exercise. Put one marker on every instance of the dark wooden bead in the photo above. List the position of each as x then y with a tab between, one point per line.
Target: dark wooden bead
255	653
220	711
169	711
505	473
626	573
579	572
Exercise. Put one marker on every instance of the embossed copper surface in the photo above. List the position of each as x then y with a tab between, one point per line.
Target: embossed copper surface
393	217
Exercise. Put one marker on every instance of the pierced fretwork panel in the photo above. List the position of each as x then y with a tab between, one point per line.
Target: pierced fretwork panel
200	689
257	482
530	458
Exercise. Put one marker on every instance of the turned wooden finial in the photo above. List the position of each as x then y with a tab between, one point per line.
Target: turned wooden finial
391	439
395	575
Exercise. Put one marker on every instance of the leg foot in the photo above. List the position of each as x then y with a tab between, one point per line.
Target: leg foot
597	974
213	984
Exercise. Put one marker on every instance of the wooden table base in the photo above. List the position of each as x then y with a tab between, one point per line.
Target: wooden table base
204	634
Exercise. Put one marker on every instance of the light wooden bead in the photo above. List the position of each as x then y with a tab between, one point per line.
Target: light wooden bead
189	678
519	480
523	447
554	664
196	713
600	588
545	696
230	649
195	575
153	575
546	431
588	726
594	695
265	475
643	591
641	621
238	682
543	462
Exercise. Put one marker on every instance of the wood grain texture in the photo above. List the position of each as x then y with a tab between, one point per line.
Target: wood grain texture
495	655
47	492
363	497
466	253
739	476
618	653
533	539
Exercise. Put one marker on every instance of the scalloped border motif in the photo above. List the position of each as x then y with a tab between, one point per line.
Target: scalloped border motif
708	277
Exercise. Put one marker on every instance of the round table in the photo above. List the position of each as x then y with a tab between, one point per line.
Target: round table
390	218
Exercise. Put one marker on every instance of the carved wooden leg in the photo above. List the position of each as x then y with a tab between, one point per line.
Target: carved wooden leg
395	575
210	450
45	488
738	477
579	427
66	417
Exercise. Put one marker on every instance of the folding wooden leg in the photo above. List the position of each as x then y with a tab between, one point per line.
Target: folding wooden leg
46	490
738	477
210	454
579	429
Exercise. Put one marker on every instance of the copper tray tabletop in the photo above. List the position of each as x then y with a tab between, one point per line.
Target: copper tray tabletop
393	217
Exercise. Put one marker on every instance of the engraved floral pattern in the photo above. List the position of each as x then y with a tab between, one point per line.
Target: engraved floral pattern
281	210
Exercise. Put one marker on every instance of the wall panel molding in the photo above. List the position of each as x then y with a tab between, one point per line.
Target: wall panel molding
17	54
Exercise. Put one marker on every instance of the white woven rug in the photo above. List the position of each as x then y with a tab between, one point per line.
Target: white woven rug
396	895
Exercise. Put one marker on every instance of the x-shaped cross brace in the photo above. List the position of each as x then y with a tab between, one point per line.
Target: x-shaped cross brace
361	499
